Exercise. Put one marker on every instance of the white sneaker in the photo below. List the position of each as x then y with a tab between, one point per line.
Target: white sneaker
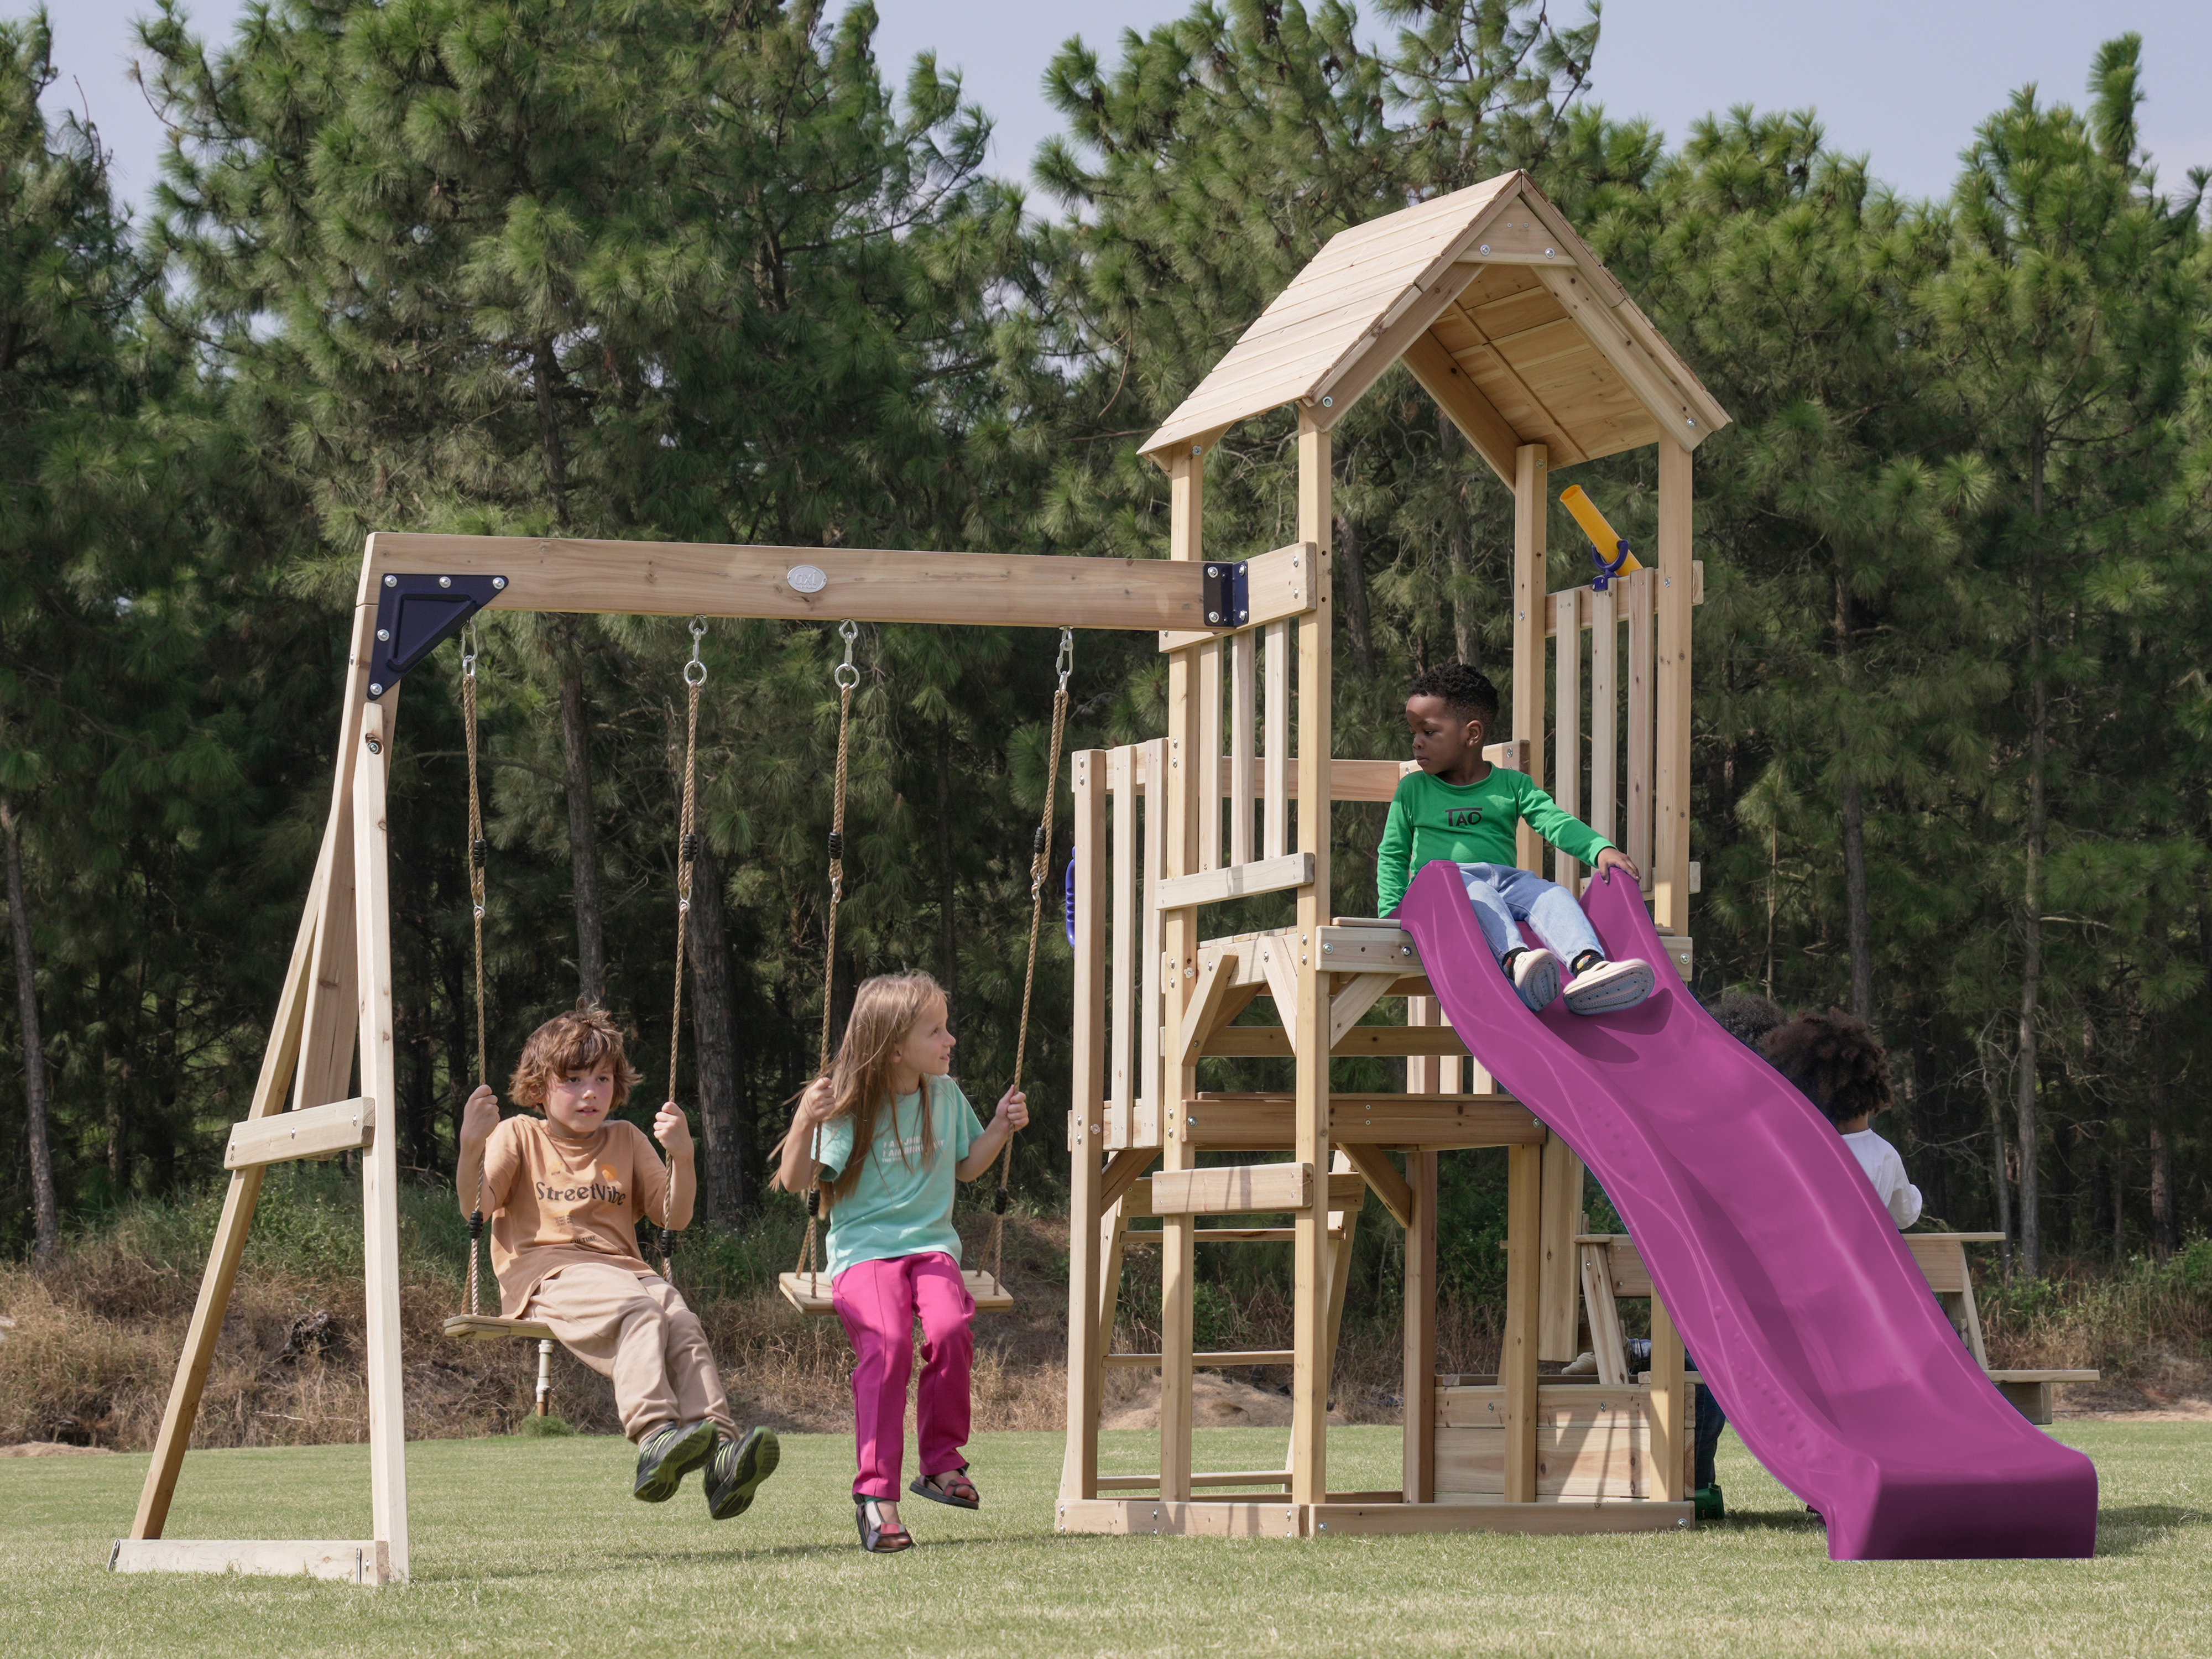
1607	987
1535	976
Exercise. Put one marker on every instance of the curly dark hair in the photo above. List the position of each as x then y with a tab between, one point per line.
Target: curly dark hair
1834	1060
1465	691
1746	1018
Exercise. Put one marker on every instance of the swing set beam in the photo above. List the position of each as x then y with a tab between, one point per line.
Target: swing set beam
826	584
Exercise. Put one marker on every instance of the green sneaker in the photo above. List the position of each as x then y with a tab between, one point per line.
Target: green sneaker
736	1470
1708	1500
667	1454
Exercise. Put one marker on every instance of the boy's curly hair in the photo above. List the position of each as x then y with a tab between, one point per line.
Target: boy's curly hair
1835	1062
568	1043
1746	1018
1465	691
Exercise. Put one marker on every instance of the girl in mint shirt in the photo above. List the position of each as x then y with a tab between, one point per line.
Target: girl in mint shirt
887	1131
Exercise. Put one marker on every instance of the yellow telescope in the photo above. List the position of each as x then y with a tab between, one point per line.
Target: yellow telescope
1608	548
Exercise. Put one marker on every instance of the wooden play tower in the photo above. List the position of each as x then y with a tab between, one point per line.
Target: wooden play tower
1540	359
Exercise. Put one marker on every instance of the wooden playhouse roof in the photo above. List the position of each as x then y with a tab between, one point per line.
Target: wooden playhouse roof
1499	310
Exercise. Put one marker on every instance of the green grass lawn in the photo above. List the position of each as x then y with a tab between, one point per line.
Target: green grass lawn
535	1546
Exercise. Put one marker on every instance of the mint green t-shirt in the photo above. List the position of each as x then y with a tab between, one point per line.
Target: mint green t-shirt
1469	823
900	1205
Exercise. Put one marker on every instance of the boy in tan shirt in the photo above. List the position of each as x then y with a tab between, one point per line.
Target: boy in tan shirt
566	1192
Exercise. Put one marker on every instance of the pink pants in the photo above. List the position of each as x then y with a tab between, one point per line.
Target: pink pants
877	1301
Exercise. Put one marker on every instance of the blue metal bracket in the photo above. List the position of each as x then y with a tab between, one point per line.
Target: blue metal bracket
1608	569
416	615
1227	594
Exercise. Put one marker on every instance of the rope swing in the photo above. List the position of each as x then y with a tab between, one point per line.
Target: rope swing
802	1286
1040	866
687	854
846	677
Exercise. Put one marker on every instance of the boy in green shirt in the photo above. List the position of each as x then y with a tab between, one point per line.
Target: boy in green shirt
1460	808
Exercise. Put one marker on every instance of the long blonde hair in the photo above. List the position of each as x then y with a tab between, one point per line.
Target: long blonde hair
885	1010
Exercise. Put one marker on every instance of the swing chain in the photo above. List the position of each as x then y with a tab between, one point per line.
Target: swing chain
687	852
471	644
845	675
1040	864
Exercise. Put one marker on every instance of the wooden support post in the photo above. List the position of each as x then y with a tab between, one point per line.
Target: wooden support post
1670	853
1275	717
1567	723
325	1072
1154	1090
1561	1277
1240	716
1640	704
1208	691
1531	562
1419	1391
379	1162
278	1061
1087	1119
1516	1359
1605	716
1670	1425
1123	931
1310	1384
1185	802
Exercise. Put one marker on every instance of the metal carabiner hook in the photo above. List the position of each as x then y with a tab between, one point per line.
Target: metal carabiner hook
698	633
469	644
1066	665
845	674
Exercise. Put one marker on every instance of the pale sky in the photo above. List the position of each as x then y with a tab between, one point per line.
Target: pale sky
1903	81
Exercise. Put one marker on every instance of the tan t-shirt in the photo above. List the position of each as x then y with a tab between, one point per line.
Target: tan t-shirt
557	1198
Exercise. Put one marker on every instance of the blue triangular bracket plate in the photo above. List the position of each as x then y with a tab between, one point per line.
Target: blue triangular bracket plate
416	615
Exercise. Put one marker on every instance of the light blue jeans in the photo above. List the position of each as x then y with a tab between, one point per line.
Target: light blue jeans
1503	898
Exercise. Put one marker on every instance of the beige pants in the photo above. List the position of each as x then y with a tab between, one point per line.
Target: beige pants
638	1332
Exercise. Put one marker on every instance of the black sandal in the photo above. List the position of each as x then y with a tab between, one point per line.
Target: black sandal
933	1488
878	1537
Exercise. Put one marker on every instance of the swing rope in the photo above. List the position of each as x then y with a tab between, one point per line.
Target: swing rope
846	677
687	854
1040	866
478	852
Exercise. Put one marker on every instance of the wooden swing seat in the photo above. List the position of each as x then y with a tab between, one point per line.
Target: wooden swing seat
488	1328
809	1292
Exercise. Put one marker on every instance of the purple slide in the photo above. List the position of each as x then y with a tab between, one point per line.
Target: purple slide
1804	1312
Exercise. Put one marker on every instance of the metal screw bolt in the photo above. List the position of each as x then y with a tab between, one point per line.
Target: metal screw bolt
1485	247
392	581
498	584
1404	950
1328	949
1213	616
445	581
383	633
1213	570
1198	449
1547	253
375	690
1329	403
375	747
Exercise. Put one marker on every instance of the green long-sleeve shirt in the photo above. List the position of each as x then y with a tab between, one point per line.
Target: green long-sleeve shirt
1469	823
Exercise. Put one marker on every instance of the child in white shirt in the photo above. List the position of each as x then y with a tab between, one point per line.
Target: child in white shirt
1836	1064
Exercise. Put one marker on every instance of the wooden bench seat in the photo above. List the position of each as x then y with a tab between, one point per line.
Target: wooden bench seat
1612	1270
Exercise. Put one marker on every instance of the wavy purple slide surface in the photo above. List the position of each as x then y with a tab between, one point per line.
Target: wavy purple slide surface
1804	1312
